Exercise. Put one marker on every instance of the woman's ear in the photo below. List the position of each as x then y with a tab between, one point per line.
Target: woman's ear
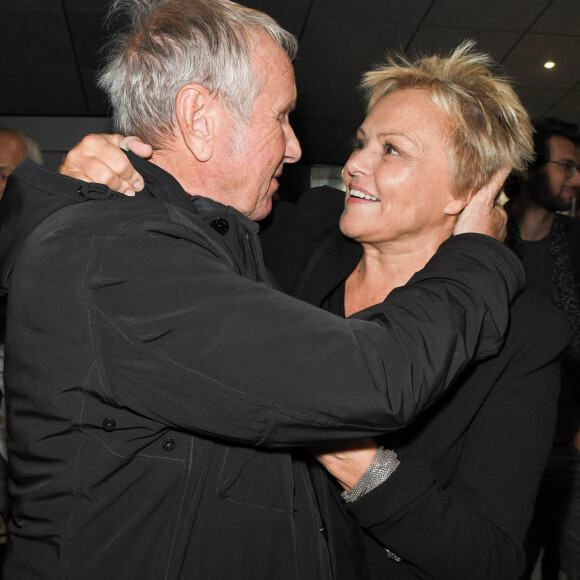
456	206
194	113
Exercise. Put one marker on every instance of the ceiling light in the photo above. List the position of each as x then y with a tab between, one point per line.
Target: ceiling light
549	64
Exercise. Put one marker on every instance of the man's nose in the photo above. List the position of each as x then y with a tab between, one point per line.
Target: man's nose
293	149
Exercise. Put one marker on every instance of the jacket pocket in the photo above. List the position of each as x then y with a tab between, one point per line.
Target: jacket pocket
257	478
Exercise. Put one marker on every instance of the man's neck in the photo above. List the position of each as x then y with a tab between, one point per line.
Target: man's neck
177	166
535	222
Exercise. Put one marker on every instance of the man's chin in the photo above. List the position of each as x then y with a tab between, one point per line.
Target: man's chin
263	211
566	203
556	203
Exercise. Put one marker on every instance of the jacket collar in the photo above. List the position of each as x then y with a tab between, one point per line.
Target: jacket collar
163	186
34	193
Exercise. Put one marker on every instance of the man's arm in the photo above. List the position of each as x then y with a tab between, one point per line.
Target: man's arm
294	373
269	369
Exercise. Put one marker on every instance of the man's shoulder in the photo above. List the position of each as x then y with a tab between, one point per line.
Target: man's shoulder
125	218
572	227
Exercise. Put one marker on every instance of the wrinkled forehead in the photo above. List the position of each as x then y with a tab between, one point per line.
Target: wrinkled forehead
273	68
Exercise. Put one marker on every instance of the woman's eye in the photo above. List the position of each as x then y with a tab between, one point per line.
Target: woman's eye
357	144
390	150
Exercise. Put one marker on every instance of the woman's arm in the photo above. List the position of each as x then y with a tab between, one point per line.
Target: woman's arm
100	159
347	462
473	524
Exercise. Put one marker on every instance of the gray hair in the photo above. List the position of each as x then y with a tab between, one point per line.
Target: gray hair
31	146
170	43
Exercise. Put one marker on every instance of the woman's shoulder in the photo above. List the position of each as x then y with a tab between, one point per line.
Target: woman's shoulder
536	323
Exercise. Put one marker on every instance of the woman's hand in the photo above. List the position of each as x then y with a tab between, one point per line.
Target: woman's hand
99	159
347	462
483	214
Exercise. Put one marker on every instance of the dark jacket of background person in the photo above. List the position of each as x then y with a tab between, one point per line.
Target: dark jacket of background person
459	504
569	405
555	526
154	386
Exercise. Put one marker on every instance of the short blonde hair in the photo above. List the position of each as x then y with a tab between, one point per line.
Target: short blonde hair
491	128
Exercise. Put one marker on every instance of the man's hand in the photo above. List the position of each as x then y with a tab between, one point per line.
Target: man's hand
99	159
483	215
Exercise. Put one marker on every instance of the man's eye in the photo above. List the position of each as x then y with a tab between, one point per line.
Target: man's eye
357	144
390	150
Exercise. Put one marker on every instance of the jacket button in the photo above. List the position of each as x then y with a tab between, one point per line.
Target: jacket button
168	444
94	190
109	424
220	225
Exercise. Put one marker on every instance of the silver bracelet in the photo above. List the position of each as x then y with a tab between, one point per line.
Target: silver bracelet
381	468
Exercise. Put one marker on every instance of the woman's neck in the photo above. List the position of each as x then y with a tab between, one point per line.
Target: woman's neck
381	269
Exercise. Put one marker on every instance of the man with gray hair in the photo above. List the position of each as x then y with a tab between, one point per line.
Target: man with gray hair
157	381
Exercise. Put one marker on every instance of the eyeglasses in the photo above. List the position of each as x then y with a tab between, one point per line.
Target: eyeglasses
569	168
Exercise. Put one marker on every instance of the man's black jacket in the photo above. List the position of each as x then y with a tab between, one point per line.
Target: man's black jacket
155	380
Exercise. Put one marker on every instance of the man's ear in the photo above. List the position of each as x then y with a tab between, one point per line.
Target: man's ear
195	118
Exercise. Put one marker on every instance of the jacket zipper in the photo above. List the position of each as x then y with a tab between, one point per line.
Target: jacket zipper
260	273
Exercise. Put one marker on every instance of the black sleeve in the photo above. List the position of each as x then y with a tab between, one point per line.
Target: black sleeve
274	371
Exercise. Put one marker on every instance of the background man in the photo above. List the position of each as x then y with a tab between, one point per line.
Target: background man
15	146
549	245
156	378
